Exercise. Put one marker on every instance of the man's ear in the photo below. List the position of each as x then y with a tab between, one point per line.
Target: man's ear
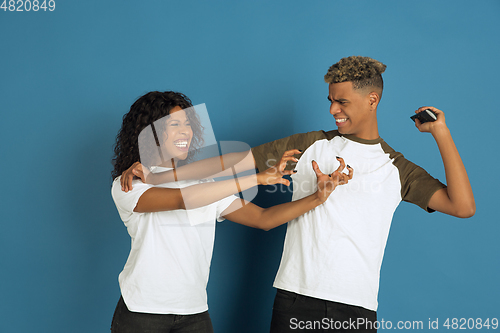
373	99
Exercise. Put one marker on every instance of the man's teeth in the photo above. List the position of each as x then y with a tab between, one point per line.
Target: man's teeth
341	120
181	143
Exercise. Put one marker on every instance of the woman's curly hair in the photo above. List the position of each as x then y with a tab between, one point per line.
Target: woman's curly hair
144	112
361	71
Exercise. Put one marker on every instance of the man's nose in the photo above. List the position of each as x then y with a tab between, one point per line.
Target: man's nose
334	108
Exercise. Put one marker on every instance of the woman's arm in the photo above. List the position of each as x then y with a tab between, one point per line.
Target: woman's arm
158	199
213	167
267	218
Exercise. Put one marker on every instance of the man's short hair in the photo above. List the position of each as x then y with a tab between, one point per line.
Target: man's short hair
361	71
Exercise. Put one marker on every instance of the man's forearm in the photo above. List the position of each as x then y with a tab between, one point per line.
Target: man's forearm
458	185
277	215
254	216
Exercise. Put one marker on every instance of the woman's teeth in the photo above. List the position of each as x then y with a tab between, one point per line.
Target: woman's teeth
181	143
341	120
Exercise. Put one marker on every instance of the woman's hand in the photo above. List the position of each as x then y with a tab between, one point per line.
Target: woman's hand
274	175
136	170
328	183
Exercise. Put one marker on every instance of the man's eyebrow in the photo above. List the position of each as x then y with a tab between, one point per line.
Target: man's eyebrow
340	100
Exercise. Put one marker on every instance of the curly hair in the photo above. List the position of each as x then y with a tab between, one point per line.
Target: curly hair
361	71
144	112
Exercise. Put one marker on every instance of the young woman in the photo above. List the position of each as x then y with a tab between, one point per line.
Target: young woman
172	225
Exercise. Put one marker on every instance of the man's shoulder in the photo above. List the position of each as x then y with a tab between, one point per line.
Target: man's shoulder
406	167
268	153
393	154
312	136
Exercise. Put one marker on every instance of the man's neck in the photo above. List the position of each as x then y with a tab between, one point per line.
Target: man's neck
369	134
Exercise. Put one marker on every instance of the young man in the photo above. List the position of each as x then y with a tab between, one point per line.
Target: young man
329	272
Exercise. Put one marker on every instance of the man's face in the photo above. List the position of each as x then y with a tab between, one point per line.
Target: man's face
352	110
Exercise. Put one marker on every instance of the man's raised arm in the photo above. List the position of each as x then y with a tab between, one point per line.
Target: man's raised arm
457	198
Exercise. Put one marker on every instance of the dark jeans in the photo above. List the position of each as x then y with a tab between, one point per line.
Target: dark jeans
298	313
125	321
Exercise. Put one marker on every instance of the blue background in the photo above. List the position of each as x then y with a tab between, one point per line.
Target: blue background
68	76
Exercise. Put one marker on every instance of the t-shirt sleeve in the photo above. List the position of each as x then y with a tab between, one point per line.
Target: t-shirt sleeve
223	204
268	154
417	186
126	201
207	213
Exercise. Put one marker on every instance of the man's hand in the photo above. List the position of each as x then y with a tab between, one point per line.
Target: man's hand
431	126
274	175
137	171
328	183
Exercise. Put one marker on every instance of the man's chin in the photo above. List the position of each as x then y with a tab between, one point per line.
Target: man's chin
342	130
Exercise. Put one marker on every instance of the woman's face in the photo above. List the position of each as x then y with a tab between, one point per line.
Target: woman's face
178	135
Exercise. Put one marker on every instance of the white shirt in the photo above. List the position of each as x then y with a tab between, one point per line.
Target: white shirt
169	262
334	252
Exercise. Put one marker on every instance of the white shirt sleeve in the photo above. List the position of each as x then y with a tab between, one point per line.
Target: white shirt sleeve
223	204
126	201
